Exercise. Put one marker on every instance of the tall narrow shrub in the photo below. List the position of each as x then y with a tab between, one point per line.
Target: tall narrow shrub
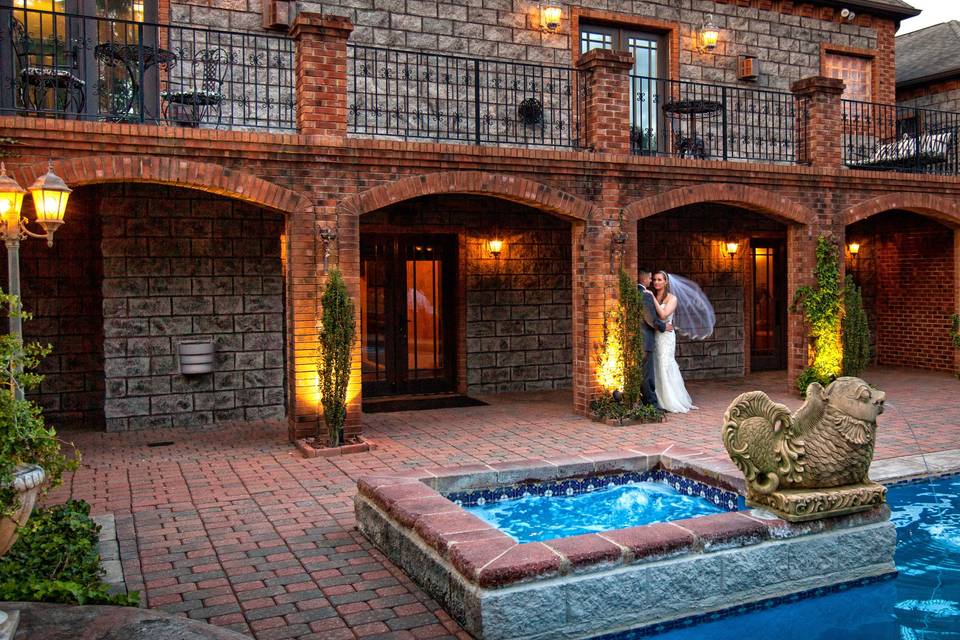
631	339
855	331
822	304
337	327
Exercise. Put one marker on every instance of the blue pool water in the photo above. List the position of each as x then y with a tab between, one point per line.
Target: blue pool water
536	518
922	603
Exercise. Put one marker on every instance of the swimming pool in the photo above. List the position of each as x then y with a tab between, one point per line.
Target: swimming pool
922	602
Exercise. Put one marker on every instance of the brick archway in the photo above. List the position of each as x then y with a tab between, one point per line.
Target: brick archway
758	200
941	209
203	176
513	188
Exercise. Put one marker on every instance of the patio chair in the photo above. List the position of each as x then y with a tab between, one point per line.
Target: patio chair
201	101
686	145
45	78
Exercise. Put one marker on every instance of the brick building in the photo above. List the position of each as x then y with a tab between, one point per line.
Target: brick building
221	168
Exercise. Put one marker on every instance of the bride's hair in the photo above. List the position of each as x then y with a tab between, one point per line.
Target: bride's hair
666	279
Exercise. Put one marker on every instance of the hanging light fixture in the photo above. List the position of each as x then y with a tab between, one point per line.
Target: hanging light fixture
50	194
708	36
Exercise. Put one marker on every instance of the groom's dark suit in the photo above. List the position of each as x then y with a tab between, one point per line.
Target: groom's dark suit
651	324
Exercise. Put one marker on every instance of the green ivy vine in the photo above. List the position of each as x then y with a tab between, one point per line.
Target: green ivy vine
822	305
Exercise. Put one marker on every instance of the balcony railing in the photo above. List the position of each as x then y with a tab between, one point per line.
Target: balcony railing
409	95
714	122
81	67
905	139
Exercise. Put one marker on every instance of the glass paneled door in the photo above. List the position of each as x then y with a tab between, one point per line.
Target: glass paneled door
80	58
407	313
768	334
649	60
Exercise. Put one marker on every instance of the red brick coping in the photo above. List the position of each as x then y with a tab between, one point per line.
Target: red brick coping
485	556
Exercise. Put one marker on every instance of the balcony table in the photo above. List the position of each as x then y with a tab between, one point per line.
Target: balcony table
693	109
131	56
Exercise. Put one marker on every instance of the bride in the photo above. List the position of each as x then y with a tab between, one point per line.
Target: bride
671	391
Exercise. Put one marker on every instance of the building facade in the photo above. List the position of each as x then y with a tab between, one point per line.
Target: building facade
478	171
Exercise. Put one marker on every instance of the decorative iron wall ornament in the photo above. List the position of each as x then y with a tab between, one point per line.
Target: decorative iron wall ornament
328	237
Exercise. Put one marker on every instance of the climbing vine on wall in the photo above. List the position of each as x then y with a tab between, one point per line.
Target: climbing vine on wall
822	305
955	330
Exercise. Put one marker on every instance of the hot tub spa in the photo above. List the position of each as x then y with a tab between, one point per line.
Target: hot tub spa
623	577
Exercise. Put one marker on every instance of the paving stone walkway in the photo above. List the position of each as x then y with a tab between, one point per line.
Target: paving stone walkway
229	525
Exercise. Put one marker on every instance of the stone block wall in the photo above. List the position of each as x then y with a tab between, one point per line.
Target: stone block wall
785	37
906	269
518	330
177	265
60	286
688	241
943	96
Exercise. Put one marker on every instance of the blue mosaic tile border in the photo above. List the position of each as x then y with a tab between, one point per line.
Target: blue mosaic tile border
727	500
922	479
713	616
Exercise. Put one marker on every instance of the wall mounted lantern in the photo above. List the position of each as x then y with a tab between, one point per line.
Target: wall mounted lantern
328	237
708	36
854	248
732	247
550	15
495	247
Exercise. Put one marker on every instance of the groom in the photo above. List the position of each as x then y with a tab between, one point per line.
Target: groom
651	324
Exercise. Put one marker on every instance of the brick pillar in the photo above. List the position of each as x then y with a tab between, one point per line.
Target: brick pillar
302	308
820	121
595	287
956	291
606	117
321	70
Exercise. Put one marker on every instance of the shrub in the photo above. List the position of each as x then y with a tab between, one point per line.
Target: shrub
631	339
822	305
955	330
608	407
55	559
855	331
24	438
336	339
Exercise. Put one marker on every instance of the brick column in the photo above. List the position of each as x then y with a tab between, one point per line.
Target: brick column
321	70
595	287
956	291
302	314
606	117
820	121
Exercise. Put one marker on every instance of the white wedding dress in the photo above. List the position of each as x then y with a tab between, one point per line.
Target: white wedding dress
671	392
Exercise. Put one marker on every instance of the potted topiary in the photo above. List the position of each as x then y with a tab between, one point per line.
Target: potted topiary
30	456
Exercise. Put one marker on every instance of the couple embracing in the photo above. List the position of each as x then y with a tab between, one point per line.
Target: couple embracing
662	383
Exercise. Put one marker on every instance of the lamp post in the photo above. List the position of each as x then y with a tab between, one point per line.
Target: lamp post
50	194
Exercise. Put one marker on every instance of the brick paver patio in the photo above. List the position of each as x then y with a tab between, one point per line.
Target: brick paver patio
231	526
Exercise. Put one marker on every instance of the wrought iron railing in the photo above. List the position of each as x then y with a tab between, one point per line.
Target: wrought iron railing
889	137
75	66
715	122
410	94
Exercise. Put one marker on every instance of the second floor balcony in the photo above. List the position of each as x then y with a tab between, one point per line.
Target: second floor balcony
65	65
69	66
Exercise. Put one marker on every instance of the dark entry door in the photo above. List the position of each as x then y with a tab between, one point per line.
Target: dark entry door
407	313
768	335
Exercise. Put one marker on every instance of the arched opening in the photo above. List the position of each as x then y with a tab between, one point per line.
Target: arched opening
906	266
445	311
746	283
136	270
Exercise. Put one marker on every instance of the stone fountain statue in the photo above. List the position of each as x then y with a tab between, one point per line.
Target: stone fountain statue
813	463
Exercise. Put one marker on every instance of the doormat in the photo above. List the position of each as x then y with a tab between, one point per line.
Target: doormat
422	403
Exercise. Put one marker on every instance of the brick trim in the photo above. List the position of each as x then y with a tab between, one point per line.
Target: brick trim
202	176
513	188
752	198
942	209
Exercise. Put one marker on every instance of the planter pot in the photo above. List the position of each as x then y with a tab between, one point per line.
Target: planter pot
26	482
309	448
196	356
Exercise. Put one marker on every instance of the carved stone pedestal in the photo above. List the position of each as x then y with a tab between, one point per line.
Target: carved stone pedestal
798	505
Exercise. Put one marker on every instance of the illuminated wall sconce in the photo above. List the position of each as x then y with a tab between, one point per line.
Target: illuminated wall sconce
854	248
495	247
732	247
708	36
550	15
